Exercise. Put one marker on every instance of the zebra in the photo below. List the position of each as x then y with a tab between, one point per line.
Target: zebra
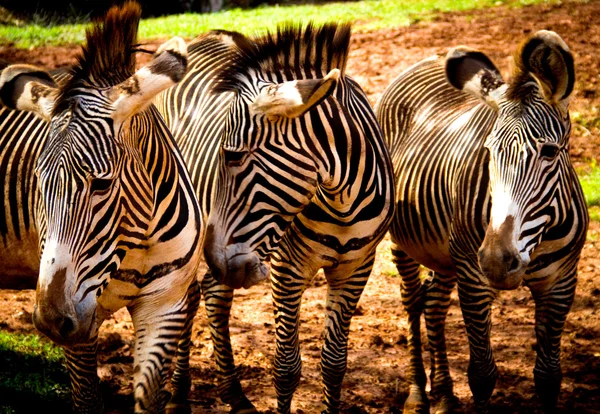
486	196
195	114
101	199
184	109
305	180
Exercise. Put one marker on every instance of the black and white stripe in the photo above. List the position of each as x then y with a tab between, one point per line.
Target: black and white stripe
304	180
105	193
486	195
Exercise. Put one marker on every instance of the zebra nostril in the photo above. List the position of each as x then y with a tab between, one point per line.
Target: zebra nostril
67	327
514	264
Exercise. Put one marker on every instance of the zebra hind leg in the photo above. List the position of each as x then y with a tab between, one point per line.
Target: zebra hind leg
218	299
413	293
437	301
181	381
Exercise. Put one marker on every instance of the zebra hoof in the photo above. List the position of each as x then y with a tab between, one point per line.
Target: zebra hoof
243	406
178	408
416	403
448	405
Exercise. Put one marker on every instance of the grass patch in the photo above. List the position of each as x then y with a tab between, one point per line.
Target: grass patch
366	15
589	177
32	375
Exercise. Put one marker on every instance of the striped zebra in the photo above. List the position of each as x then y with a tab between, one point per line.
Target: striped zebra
98	202
195	114
486	195
304	180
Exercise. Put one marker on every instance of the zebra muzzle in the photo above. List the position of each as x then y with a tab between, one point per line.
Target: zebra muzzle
234	265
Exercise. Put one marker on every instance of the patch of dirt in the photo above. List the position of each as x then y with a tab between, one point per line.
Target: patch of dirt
377	364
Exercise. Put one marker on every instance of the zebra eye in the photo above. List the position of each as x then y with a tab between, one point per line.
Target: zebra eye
549	151
100	185
234	158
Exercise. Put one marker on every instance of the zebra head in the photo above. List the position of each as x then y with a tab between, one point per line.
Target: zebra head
529	165
96	193
269	156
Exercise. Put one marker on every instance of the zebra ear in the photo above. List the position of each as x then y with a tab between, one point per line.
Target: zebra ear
168	66
294	98
547	58
28	88
471	71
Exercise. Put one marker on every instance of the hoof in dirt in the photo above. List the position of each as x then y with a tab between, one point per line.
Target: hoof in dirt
178	408
243	406
415	404
448	405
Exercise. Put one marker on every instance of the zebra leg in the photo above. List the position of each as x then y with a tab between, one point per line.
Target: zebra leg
158	330
181	380
343	295
475	301
82	365
413	294
437	301
218	299
551	309
287	289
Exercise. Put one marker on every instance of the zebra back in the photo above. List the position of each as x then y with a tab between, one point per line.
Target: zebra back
195	112
436	137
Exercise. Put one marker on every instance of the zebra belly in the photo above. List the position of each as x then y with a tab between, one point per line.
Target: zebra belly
19	263
425	245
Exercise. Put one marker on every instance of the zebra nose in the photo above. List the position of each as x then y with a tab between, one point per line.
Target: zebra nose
502	268
59	327
513	262
66	327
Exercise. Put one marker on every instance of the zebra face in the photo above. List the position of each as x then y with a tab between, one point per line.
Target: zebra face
95	190
528	168
268	174
85	185
529	162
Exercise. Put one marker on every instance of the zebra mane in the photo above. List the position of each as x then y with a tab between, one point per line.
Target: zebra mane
293	51
108	57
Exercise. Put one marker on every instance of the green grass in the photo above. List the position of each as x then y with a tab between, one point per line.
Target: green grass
589	176
366	15
32	375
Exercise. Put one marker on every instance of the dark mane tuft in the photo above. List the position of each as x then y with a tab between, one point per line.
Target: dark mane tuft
108	57
292	52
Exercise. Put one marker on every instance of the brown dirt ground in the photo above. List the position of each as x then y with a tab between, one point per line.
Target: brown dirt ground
375	381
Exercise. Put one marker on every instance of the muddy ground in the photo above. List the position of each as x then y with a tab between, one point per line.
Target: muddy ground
375	381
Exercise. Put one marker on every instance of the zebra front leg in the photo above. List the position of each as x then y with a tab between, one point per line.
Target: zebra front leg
158	331
217	300
181	380
551	309
343	295
437	301
82	365
413	294
475	300
287	289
